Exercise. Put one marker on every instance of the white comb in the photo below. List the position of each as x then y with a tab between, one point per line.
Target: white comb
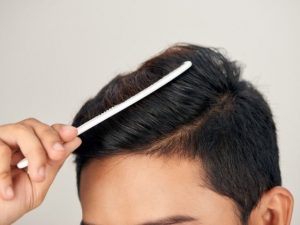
117	108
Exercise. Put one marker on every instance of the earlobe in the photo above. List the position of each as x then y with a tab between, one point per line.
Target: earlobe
274	208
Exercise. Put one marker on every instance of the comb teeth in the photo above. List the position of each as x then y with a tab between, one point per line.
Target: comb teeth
117	108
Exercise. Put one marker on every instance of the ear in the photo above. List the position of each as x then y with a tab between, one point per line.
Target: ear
274	208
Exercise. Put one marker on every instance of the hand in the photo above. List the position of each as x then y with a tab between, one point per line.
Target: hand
46	148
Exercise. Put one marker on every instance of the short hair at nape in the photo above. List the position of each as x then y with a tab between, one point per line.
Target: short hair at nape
208	113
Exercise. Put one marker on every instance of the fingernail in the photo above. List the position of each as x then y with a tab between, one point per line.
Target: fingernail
41	172
58	147
9	192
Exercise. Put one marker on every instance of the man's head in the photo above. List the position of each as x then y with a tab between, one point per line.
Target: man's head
200	150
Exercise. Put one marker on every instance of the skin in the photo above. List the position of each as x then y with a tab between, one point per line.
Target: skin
149	190
139	189
46	148
119	190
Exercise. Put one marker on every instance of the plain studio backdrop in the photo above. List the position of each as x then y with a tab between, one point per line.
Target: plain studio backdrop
56	54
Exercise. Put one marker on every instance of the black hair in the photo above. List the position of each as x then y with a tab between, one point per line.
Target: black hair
208	113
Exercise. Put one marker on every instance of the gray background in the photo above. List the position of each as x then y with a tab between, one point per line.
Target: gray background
56	54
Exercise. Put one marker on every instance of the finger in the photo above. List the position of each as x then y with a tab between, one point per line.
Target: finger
70	147
6	190
53	168
23	137
49	137
67	132
33	150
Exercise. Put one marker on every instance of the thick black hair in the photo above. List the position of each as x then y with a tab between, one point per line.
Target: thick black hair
208	113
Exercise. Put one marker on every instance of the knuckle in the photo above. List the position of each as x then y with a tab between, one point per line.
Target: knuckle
29	120
21	128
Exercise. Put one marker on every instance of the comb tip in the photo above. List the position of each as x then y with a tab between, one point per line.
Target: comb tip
188	63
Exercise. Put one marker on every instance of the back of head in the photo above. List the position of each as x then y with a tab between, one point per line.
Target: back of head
208	113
